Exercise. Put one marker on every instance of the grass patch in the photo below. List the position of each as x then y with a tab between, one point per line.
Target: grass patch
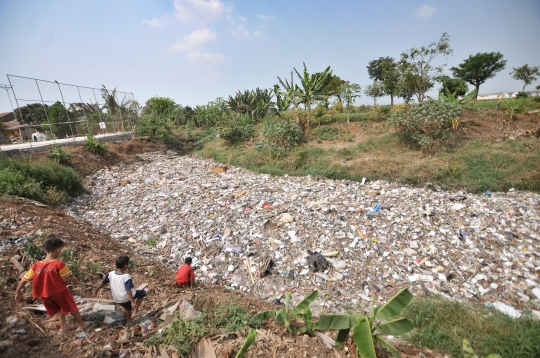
442	325
475	166
47	182
183	334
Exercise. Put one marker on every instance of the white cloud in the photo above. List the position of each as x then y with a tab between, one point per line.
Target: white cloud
266	17
194	40
199	11
242	31
198	56
214	75
153	22
426	11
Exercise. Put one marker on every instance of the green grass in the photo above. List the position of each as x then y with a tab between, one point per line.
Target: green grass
47	182
529	104
475	166
442	325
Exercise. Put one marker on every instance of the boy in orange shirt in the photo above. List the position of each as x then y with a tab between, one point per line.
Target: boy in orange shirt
49	278
185	274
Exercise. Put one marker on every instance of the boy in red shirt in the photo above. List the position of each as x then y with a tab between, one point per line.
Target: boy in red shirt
49	279
185	274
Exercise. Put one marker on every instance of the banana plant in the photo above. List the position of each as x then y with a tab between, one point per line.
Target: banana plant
468	351
285	315
248	342
367	330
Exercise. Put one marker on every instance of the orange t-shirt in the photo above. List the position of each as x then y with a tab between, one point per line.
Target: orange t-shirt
47	277
184	275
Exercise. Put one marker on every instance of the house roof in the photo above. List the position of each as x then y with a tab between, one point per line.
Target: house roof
11	124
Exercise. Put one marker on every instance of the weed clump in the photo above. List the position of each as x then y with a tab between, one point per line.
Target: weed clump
95	146
47	182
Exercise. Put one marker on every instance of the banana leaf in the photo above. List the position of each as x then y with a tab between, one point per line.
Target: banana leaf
281	317
395	305
342	337
363	339
306	302
248	342
337	321
265	315
396	327
287	301
384	343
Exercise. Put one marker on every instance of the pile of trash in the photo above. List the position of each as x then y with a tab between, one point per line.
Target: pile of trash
264	234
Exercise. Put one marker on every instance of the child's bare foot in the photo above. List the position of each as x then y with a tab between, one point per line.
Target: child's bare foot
84	326
67	329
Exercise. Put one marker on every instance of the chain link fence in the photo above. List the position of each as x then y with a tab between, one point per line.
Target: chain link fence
49	110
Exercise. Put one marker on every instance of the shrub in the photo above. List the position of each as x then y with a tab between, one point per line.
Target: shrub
234	128
71	258
49	182
59	156
155	126
95	146
280	135
522	95
428	123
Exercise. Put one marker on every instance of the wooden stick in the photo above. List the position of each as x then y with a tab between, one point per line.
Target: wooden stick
249	269
29	320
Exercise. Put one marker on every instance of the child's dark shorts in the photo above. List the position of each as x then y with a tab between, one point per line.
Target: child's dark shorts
138	294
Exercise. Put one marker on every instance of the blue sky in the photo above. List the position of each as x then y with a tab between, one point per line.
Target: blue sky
195	50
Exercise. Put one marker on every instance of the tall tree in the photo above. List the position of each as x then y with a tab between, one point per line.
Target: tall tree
453	85
385	70
480	67
160	106
526	74
416	65
33	113
374	91
350	92
331	87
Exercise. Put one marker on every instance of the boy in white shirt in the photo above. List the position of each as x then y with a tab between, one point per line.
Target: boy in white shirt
122	288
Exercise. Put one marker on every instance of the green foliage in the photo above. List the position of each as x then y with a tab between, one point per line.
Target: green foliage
457	86
59	156
452	97
468	351
182	333
441	324
34	252
522	95
248	342
71	258
34	113
151	242
513	106
284	316
235	128
280	135
526	74
427	124
367	330
95	146
161	106
417	71
48	182
60	120
132	264
232	318
95	268
255	104
209	114
476	69
374	91
386	71
150	271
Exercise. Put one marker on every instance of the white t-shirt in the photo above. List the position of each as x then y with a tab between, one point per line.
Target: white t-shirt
120	284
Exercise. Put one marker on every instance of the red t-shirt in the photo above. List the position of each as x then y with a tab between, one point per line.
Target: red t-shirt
47	277
184	275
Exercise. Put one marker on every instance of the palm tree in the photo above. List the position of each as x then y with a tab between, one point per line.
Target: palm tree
111	104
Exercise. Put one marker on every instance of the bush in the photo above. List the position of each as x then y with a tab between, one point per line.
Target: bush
48	182
280	135
95	146
428	123
235	128
59	156
522	95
